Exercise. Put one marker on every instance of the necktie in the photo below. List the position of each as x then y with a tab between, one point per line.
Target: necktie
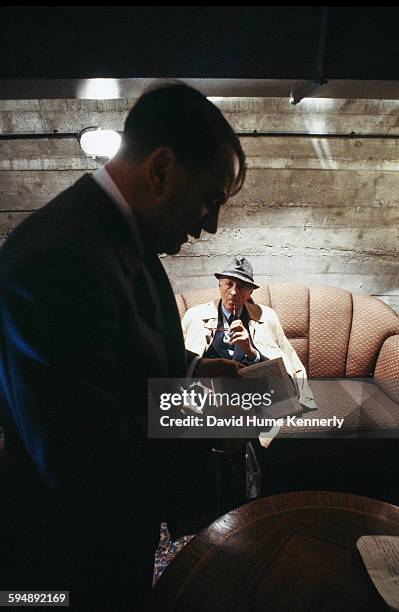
238	353
231	318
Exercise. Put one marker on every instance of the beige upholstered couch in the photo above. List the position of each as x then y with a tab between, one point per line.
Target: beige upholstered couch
350	338
335	333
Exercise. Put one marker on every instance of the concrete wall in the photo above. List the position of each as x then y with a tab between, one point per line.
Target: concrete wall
313	210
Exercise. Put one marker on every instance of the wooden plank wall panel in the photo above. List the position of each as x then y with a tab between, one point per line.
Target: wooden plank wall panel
313	210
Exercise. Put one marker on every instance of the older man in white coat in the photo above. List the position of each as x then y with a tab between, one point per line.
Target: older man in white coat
234	327
255	332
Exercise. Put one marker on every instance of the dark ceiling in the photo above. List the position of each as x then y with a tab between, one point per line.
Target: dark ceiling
197	42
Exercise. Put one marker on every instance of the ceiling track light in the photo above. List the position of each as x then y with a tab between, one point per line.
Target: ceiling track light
319	80
296	97
96	142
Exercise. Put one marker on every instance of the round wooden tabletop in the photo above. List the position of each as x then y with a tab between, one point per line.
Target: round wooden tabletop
295	551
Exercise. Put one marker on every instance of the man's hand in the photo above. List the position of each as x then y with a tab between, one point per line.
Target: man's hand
239	335
210	368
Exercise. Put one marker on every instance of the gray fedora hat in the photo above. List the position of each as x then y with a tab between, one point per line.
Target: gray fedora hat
239	267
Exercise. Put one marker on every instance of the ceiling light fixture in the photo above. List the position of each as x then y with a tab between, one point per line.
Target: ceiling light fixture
297	96
319	80
99	89
97	142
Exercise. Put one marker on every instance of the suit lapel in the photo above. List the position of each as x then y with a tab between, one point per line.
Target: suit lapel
172	327
154	296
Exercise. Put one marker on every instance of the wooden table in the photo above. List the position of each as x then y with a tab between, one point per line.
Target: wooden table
294	551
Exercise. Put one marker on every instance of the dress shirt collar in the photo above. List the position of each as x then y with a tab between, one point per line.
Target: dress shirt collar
227	313
104	180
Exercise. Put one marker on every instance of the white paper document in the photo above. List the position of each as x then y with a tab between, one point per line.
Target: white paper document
380	555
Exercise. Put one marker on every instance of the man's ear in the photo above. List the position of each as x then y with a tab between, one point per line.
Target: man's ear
160	166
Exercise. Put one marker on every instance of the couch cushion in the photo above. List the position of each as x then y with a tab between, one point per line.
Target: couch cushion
366	410
262	295
333	398
330	324
379	413
198	296
301	346
291	303
181	305
373	322
386	374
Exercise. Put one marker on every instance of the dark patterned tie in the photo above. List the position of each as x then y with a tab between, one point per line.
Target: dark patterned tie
238	354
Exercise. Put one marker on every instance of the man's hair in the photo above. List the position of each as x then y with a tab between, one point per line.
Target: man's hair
182	118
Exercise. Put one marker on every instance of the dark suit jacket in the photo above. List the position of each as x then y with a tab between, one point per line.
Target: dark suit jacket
85	320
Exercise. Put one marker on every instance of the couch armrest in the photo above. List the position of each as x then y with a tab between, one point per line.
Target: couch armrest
386	373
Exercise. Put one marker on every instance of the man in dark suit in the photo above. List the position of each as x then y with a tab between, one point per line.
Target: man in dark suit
87	316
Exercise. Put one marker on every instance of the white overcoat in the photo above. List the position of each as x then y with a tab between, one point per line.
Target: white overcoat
199	326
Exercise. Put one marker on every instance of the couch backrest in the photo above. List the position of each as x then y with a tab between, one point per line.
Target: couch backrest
335	333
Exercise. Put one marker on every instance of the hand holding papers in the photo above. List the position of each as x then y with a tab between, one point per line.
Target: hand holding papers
210	368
